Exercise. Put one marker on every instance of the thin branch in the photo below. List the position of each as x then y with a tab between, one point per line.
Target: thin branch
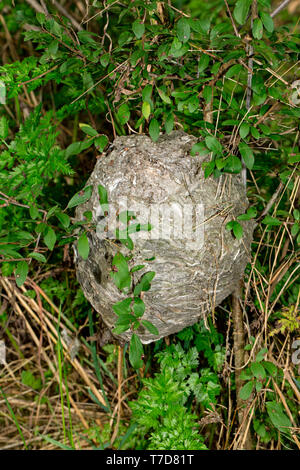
102	11
38	76
232	20
99	81
36	6
279	8
271	201
67	15
239	362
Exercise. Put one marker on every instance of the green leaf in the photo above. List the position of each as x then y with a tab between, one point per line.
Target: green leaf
268	220
21	273
88	216
257	29
265	3
246	374
265	129
270	368
88	129
183	30
34	213
138	267
237	230
103	198
147	93
41	227
49	238
51	212
30	380
122	307
294	159
55	28
241	10
207	93
83	246
296	214
146	109
295	229
199	149
138	307
22	235
41	18
135	352
278	417
203	63
127	242
258	370
255	133
261	354
251	213
7	268
104	60
101	142
233	164
52	49
220	163
208	168
121	276
124	37
267	21
154	130
138	28
246	390
169	123
200	26
121	328
144	284
125	319
244	130
178	52
247	155
234	71
124	113
6	250
150	327
37	256
80	197
3	128
74	149
164	96
213	144
229	225
63	218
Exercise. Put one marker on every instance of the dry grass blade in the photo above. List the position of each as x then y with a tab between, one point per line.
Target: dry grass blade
36	318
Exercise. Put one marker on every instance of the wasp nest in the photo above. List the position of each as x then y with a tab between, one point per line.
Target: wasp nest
196	260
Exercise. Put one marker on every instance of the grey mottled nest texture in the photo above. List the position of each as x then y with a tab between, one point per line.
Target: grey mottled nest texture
189	282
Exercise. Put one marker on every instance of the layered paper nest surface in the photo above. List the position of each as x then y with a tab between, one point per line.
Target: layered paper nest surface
194	270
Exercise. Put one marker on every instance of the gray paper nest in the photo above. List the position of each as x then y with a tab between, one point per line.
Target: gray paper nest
191	279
